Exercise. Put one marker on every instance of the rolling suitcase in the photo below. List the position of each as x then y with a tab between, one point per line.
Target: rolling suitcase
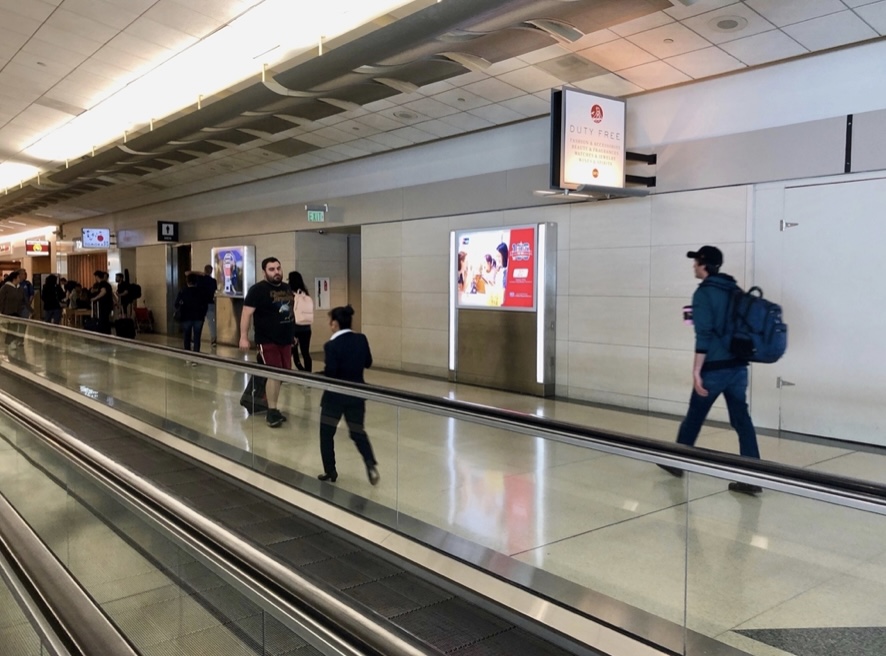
91	322
125	327
253	397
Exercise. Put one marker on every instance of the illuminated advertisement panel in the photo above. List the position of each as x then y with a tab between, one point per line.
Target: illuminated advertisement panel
234	268
495	268
96	238
36	247
593	147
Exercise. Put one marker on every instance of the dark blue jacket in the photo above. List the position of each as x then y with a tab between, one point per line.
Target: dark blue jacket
710	306
346	357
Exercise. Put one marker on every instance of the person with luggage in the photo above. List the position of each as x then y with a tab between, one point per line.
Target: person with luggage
347	356
304	317
191	307
270	301
102	302
51	296
715	369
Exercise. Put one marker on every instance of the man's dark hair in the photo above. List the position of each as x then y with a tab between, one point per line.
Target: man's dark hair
265	262
192	279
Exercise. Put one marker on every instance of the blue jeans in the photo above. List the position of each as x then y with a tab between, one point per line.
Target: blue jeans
733	385
210	318
192	333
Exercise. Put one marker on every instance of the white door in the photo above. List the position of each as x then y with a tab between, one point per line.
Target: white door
835	306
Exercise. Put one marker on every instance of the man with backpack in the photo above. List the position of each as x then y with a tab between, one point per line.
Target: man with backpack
716	370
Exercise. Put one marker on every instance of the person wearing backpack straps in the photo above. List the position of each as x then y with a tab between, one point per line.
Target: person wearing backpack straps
715	369
303	309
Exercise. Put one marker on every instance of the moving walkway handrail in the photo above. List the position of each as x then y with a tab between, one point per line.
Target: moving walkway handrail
380	638
832	488
74	618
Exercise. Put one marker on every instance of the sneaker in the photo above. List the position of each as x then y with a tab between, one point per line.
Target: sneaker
673	471
275	419
745	488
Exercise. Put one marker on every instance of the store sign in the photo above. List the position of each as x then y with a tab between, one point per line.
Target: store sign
36	247
590	140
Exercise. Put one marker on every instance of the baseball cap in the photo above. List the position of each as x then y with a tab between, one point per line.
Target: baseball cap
707	255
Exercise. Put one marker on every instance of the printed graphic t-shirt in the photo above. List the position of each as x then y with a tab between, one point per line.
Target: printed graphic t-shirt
273	312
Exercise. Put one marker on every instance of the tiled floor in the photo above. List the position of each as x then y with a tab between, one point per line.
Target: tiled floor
683	549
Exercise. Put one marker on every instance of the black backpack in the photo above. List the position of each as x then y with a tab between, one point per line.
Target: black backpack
754	328
135	291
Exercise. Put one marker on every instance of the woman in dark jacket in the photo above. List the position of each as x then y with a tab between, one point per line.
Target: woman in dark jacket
347	355
52	296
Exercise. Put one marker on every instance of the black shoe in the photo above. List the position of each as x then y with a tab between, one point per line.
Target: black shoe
275	419
373	474
745	488
673	471
329	477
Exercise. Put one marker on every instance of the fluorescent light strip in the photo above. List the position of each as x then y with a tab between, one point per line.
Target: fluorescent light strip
540	306
453	297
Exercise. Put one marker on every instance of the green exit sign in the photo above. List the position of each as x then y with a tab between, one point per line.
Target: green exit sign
316	216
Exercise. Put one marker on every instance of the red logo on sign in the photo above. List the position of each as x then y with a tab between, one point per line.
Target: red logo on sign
597	113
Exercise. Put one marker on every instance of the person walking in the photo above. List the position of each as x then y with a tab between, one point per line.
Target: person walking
303	311
210	286
12	304
191	306
347	355
715	370
51	296
270	302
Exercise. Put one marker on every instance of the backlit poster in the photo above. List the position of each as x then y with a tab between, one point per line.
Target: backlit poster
593	149
495	268
233	269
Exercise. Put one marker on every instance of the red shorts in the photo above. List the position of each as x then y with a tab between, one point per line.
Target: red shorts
276	355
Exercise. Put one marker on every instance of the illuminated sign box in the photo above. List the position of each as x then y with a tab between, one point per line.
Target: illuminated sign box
96	238
234	268
496	268
36	247
587	140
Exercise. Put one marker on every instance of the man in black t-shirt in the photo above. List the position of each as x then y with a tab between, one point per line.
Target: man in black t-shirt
270	302
103	299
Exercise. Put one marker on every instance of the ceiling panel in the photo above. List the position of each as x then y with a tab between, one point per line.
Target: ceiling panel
704	63
764	48
874	15
783	13
728	23
831	31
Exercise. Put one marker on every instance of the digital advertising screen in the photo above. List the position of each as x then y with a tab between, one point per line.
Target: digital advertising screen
495	268
96	238
234	270
36	247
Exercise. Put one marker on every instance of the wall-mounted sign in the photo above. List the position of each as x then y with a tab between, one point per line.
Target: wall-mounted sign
167	230
36	247
587	140
234	268
322	293
316	216
96	238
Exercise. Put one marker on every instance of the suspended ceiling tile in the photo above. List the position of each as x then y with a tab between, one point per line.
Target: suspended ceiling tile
111	14
642	24
413	134
669	41
17	23
357	129
335	135
35	9
53	66
610	85
498	114
79	25
290	147
530	79
162	35
764	48
467	78
155	165
430	108
681	11
461	99
571	68
317	140
367	145
595	38
177	156
874	15
232	137
704	63
858	3
439	129
134	170
352	150
221	11
388	139
381	105
80	44
504	66
268	124
205	147
128	61
314	110
65	108
654	75
181	18
467	122
494	90
506	43
831	31
708	24
108	70
615	55
527	106
379	122
783	13
536	56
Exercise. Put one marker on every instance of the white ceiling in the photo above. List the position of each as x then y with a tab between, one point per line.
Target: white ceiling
59	57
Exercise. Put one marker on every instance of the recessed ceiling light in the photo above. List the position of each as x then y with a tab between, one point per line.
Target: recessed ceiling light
41	64
668	40
728	23
406	116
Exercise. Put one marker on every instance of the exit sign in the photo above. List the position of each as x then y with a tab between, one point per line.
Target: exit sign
316	216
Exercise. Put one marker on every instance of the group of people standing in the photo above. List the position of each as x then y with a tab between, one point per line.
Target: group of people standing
282	314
